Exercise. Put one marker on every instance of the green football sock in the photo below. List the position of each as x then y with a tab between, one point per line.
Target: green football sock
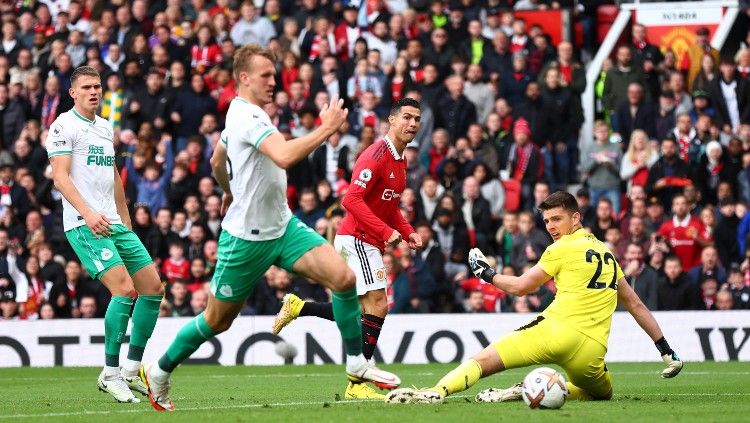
348	318
115	326
144	319
187	341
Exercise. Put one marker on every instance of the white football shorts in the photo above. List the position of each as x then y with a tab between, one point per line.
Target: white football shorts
365	260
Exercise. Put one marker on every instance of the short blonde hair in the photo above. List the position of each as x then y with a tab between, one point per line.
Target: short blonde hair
244	56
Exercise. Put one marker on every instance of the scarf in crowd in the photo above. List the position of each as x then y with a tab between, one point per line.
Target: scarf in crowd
684	142
49	109
112	107
521	157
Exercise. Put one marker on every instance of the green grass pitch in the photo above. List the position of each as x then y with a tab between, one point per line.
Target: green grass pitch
703	392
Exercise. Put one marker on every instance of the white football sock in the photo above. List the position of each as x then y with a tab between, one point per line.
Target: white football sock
130	367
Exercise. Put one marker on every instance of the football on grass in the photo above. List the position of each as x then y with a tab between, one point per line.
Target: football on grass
544	388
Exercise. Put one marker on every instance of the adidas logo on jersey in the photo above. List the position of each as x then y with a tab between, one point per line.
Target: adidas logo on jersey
392	176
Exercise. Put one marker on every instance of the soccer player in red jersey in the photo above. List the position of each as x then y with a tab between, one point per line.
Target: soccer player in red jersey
373	222
684	233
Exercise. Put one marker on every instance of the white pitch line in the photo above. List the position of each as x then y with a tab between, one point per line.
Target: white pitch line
304	403
332	375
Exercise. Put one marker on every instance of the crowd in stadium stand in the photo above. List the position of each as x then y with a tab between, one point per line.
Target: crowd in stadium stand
666	182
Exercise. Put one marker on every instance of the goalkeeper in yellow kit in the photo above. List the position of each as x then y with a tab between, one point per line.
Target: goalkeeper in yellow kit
572	332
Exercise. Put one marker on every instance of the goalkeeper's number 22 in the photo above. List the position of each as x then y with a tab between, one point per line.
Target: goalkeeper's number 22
608	257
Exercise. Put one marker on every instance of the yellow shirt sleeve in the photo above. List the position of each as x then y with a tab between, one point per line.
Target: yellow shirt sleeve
552	260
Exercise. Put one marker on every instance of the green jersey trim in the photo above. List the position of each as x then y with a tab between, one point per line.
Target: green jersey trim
59	153
83	118
242	100
263	136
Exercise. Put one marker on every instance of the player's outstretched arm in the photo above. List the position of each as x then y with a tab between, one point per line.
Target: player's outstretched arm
287	153
647	322
122	205
97	222
528	282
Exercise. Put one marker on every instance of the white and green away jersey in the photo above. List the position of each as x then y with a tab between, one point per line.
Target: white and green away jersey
259	211
90	144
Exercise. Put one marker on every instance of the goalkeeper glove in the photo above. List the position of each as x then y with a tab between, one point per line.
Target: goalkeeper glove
479	265
674	364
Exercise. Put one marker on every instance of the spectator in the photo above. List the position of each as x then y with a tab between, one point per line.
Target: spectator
309	211
149	104
529	244
709	267
8	305
619	79
454	111
669	174
514	84
647	57
479	92
691	60
476	214
677	85
88	308
525	162
151	186
635	232
601	162
12	116
684	233
453	240
705	76
65	297
561	126
179	298
707	291
198	302
491	189
724	300
497	61
251	28
736	286
641	277
725	235
638	159
635	113
176	266
730	94
189	108
605	218
475	302
675	290
665	115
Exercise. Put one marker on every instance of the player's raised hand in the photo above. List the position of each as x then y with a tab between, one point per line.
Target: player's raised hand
99	224
415	241
333	115
479	265
394	239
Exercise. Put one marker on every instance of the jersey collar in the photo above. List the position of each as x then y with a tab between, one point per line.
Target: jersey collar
82	117
392	148
677	223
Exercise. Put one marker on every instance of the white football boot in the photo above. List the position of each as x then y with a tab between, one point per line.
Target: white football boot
514	393
413	396
158	391
366	372
116	386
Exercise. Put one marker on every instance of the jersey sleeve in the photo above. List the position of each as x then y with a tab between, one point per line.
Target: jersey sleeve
59	139
258	129
552	260
364	177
